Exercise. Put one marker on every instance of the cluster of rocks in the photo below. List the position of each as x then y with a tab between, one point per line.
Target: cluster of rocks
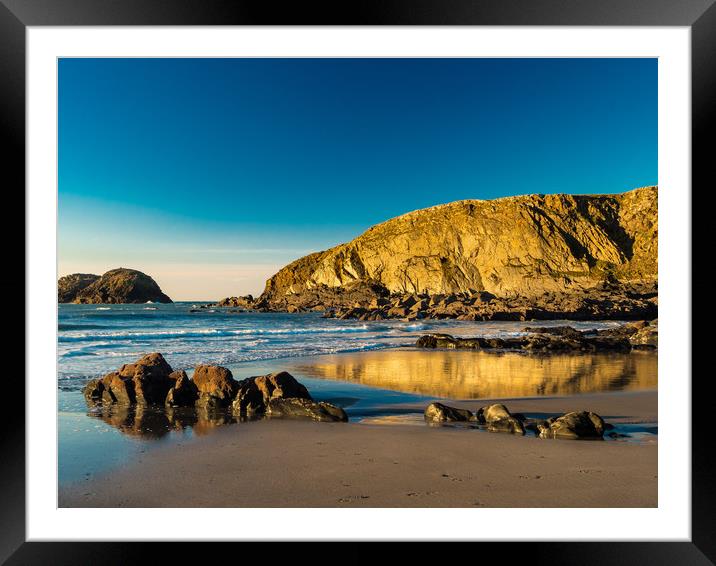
638	335
603	302
151	382
320	298
497	418
642	334
245	302
371	301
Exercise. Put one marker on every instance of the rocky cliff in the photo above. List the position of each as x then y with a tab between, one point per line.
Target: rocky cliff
70	285
517	246
116	286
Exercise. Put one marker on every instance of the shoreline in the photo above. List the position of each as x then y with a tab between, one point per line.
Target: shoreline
280	463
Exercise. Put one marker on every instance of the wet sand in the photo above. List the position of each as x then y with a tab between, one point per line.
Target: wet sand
305	464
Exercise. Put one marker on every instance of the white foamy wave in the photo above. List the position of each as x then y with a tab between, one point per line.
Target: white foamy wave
210	332
103	308
77	353
417	326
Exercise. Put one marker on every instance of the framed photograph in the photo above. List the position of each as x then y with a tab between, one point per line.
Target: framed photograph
419	272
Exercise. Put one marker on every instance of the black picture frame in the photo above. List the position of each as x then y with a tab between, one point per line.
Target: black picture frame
699	15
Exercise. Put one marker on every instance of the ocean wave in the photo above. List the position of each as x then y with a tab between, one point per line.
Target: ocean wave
212	332
103	309
182	360
66	326
416	326
77	353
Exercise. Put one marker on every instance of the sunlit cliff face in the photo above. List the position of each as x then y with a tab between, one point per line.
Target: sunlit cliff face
523	245
473	375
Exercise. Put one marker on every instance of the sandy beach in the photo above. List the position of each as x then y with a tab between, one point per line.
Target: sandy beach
273	463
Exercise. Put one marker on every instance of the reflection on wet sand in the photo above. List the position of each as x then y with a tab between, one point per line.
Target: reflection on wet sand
155	422
472	375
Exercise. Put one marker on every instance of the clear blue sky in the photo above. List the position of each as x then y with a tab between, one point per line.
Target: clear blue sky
211	173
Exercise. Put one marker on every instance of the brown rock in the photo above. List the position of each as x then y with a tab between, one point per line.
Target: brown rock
498	419
183	393
302	408
150	376
439	413
145	382
215	385
118	389
575	425
254	393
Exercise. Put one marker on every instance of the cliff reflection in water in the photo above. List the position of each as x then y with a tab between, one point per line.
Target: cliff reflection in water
473	375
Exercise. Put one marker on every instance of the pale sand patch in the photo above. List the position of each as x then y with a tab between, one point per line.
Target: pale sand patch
306	464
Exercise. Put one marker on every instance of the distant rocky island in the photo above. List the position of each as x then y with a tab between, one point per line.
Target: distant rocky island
117	286
581	257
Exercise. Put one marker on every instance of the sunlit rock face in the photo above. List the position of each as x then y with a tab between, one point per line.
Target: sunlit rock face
524	245
483	375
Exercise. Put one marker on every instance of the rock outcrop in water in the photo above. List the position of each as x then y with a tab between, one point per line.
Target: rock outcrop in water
215	385
534	250
641	335
255	393
145	382
69	286
212	390
117	286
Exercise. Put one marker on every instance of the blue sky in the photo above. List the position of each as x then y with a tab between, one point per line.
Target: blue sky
210	174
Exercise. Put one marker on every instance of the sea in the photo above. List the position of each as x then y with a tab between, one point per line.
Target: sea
371	369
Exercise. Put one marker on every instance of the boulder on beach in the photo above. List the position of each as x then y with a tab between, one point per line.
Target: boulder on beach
439	413
183	393
302	408
254	393
583	424
145	382
151	377
499	419
216	386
